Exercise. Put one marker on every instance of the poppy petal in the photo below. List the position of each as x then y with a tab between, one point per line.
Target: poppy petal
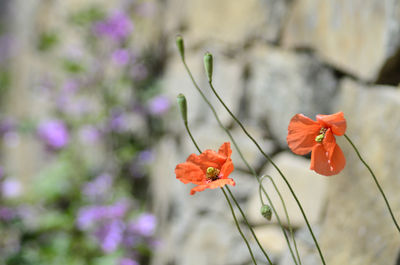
225	149
301	134
212	185
227	168
208	158
335	121
329	143
338	161
188	172
321	164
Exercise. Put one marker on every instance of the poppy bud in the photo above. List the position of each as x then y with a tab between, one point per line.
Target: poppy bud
208	65
266	211
182	106
181	46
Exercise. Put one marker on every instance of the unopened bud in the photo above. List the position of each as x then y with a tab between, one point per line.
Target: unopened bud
181	46
208	65
266	211
182	106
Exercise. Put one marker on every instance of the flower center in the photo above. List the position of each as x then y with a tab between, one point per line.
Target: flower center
321	136
212	174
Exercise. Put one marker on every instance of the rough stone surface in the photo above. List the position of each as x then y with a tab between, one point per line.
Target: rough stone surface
302	180
358	228
283	84
226	21
271	238
356	36
306	247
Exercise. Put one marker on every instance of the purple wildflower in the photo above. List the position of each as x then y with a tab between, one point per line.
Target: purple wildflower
145	225
146	157
110	235
89	134
70	86
159	105
7	213
126	261
7	125
98	188
121	57
54	133
117	27
88	216
11	188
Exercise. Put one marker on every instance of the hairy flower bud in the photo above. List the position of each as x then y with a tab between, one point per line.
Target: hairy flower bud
182	106
266	211
208	65
181	46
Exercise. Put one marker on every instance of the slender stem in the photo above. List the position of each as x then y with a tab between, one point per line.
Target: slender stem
376	182
191	137
247	222
277	217
238	227
236	146
230	205
275	166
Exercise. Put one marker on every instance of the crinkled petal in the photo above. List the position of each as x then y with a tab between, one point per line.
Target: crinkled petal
208	158
335	121
301	134
321	164
225	149
329	143
213	185
188	172
226	169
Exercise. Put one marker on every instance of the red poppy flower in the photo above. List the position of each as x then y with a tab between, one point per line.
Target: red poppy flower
317	137
209	170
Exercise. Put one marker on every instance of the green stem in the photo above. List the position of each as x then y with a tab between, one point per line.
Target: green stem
275	166
191	136
238	227
261	187
230	205
234	143
376	182
247	223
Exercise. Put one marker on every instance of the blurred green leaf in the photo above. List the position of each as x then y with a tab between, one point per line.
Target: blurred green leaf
47	41
87	16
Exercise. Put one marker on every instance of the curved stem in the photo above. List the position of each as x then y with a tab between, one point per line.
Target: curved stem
191	137
376	182
238	227
236	146
277	217
230	205
251	229
275	166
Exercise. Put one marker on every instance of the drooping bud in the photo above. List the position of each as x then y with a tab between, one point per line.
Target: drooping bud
182	106
266	211
208	65
181	46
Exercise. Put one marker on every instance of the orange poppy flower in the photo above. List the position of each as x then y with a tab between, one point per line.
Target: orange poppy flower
209	170
317	137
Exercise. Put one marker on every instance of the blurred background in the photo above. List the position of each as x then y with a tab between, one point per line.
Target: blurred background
90	133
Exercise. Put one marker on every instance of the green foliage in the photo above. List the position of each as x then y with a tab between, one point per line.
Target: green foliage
47	41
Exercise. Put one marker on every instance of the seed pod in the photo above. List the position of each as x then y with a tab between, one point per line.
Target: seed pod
182	106
266	211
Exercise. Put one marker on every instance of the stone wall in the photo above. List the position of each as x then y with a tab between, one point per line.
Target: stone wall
275	58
